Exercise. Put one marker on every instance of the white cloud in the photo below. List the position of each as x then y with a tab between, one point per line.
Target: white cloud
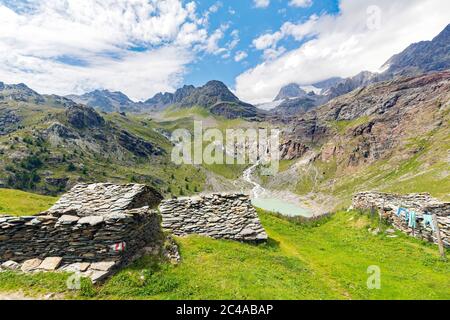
215	7
261	3
297	31
343	44
240	55
234	40
38	42
267	40
300	3
212	45
273	53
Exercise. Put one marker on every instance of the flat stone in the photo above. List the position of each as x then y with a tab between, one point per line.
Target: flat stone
116	216
91	220
98	275
77	267
247	232
50	263
102	266
11	265
30	265
68	219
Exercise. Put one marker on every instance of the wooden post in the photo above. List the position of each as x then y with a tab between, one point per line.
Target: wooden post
438	237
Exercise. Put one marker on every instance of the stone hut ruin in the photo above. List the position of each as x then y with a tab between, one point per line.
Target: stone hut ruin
387	205
91	224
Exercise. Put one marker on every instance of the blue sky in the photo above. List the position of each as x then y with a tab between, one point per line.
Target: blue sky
142	47
250	22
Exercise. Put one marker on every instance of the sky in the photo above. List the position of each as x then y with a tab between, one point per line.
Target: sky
142	47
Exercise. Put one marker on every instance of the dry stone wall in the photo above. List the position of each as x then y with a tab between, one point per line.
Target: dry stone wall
387	205
111	237
220	216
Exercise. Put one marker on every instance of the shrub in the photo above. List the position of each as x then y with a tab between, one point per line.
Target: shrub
31	163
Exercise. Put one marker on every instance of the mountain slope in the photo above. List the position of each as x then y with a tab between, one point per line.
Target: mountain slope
418	58
213	96
392	136
47	146
422	57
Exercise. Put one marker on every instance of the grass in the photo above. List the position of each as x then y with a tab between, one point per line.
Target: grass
15	202
343	125
327	259
172	112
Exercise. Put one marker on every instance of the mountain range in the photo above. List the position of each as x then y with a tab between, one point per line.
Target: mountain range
387	131
213	96
422	57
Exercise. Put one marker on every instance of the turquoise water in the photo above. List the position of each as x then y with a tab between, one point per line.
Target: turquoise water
282	207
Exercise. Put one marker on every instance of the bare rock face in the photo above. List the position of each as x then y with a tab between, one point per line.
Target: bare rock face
9	121
57	129
385	115
83	117
87	200
137	145
292	150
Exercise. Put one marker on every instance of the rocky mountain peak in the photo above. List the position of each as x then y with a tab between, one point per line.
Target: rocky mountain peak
291	90
182	93
444	35
424	56
105	100
19	92
217	89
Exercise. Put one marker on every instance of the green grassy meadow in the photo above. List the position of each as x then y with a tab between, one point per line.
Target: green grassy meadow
20	203
327	259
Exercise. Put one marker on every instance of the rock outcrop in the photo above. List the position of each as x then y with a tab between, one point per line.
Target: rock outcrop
82	117
220	216
387	205
9	121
